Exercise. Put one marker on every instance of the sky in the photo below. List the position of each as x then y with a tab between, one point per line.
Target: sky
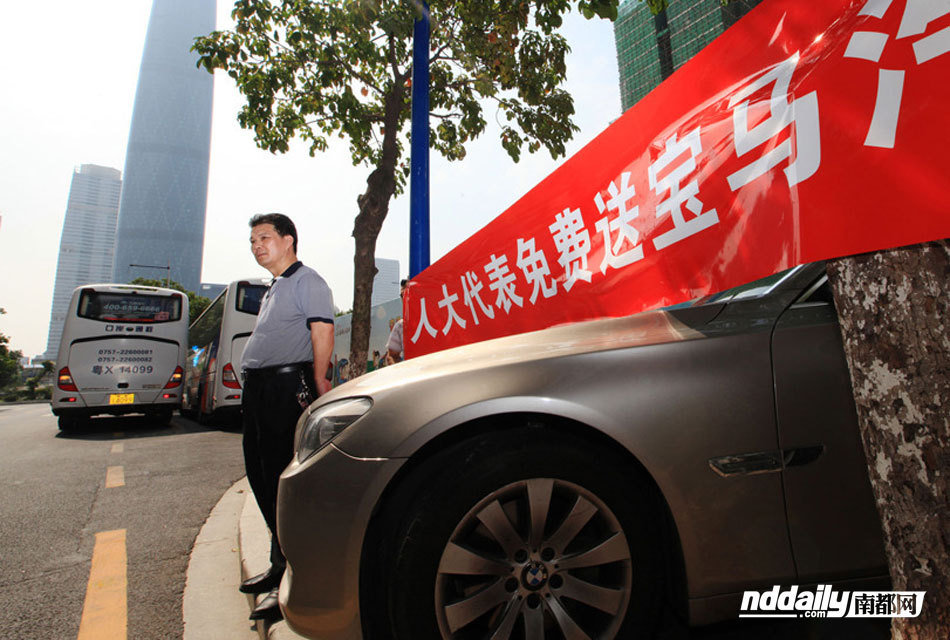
68	87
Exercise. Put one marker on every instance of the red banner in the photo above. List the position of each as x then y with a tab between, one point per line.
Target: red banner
807	131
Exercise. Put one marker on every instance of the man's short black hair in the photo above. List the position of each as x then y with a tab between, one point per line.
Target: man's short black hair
403	282
282	224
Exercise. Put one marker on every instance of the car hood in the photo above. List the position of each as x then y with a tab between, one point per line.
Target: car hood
653	327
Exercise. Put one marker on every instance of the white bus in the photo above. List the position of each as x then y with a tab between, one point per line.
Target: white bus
122	351
217	338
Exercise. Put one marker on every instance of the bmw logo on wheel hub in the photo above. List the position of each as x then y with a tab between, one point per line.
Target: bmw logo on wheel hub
534	576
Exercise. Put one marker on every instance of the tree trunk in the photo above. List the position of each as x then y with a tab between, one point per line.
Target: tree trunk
374	206
893	307
365	232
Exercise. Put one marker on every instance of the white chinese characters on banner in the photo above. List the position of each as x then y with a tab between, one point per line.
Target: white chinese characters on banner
680	195
869	45
447	302
802	111
423	322
620	196
472	288
534	266
573	243
502	280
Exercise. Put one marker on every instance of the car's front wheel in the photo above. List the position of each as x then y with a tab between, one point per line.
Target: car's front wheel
523	534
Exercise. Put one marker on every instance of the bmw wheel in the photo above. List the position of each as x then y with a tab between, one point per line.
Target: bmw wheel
521	535
505	566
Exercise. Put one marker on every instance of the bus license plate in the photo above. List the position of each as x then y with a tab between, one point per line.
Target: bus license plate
121	398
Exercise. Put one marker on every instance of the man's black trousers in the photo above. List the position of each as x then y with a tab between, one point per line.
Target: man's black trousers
270	408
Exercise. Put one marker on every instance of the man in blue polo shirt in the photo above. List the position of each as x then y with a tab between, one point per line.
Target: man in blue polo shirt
285	363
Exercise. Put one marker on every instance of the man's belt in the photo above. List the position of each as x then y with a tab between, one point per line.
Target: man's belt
281	369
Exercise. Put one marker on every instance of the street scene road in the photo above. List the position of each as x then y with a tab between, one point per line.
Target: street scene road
646	323
155	484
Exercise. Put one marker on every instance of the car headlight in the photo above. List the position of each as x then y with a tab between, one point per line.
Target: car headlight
326	422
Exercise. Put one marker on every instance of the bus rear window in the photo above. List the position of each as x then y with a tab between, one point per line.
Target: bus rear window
128	307
249	297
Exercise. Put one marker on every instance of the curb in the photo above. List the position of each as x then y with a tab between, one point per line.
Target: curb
254	543
212	606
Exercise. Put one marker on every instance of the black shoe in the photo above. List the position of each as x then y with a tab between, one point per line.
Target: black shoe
268	609
263	582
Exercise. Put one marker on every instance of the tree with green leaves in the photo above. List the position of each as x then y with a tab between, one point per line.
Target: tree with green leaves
196	303
319	70
9	360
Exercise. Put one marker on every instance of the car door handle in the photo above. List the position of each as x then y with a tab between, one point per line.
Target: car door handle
765	461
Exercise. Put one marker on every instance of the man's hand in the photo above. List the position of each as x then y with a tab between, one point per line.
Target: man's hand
323	385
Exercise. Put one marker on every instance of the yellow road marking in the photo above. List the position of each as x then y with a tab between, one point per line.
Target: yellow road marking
118	447
115	477
104	614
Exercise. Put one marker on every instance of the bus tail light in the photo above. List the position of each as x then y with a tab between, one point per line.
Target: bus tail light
65	381
229	378
175	380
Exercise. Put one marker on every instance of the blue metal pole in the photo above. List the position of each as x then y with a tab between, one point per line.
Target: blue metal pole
419	153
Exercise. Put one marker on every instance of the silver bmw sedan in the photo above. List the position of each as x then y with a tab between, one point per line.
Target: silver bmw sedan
597	480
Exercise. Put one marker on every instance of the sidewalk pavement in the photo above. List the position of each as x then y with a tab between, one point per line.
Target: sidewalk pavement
233	545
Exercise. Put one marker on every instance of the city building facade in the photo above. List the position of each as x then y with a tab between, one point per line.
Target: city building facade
87	243
651	47
386	281
162	212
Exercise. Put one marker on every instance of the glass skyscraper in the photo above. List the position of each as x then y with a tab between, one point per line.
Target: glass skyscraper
650	48
87	243
162	211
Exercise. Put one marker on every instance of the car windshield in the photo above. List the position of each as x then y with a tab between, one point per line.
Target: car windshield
249	297
129	307
754	289
747	291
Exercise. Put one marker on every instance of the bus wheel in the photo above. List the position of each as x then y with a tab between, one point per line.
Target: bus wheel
163	418
70	424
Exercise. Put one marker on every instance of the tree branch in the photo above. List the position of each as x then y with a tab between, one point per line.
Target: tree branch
394	62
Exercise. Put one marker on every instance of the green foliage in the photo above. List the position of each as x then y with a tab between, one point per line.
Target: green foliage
196	303
9	361
319	70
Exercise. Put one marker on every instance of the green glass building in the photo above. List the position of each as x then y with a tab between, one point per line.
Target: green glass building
650	47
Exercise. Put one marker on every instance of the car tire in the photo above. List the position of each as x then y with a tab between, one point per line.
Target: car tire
468	556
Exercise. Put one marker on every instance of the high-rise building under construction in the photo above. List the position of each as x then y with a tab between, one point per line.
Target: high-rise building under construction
162	211
651	47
